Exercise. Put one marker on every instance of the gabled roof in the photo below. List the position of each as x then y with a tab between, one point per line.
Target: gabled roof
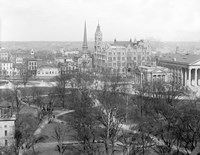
181	58
121	43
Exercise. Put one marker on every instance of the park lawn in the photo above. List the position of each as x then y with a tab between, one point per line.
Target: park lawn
49	131
25	109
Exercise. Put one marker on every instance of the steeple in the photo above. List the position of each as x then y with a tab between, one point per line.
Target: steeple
85	45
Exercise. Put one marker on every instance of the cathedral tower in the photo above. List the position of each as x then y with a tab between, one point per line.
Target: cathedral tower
85	45
98	38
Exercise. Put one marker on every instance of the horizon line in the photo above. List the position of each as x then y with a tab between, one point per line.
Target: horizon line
92	41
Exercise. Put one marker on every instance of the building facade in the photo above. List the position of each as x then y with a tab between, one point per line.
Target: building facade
6	68
47	72
7	125
151	74
184	67
4	56
32	65
119	56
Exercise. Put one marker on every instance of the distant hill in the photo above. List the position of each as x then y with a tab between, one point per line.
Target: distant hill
42	45
57	45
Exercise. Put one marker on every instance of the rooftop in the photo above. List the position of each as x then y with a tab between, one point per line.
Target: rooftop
181	58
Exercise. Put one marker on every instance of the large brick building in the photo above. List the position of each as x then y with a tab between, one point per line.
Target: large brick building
119	56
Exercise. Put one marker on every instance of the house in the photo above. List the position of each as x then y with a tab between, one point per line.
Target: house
4	55
6	68
31	66
69	66
7	124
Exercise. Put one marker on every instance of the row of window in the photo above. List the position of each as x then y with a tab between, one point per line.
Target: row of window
33	63
118	53
48	72
7	68
118	58
117	64
6	64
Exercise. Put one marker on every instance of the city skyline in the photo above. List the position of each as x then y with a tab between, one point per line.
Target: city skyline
28	20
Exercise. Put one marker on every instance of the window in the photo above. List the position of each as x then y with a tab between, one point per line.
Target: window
6	142
123	58
114	58
6	133
5	126
118	58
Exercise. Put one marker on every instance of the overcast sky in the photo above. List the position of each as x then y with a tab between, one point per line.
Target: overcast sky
63	20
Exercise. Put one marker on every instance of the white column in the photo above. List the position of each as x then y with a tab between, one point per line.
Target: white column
185	76
195	78
189	72
182	77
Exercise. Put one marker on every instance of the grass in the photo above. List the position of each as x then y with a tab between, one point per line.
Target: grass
29	110
49	131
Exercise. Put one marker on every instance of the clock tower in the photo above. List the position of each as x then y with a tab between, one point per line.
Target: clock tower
98	38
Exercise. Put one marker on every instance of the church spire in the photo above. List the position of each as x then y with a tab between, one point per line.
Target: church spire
85	45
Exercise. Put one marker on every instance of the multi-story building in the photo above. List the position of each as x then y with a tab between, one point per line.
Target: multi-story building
7	124
119	56
6	68
31	66
4	55
68	66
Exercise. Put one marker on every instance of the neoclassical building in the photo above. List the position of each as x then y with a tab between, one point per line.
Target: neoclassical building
185	68
152	73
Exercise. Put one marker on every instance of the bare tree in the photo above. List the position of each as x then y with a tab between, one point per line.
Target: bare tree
83	122
60	90
25	75
25	127
110	113
60	132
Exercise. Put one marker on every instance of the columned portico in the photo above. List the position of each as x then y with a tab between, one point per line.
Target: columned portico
194	76
185	69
